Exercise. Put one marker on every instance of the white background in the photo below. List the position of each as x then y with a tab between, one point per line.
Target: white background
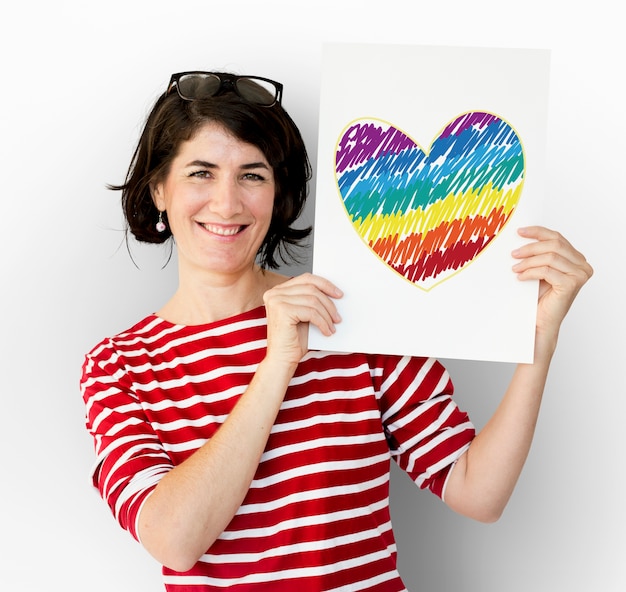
77	80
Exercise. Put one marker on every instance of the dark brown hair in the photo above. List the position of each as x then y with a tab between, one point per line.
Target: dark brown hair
173	120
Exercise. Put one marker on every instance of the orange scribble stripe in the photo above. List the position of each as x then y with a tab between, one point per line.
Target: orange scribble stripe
439	239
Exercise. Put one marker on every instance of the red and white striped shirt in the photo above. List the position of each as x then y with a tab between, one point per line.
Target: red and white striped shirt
316	516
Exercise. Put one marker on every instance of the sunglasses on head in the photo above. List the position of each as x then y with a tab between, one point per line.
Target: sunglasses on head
203	85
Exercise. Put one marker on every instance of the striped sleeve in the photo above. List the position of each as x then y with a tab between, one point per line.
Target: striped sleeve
426	430
130	459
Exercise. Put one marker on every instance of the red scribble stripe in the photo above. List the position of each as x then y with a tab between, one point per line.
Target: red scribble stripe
449	246
432	264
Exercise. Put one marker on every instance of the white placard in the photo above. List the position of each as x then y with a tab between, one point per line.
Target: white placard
429	159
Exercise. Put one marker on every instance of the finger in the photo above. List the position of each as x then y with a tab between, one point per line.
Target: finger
555	277
537	232
547	259
549	242
301	304
544	240
321	283
304	295
306	291
567	283
301	307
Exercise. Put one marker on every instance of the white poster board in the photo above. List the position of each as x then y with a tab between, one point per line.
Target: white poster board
429	159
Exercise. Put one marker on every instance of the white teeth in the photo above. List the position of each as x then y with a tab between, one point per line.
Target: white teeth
221	230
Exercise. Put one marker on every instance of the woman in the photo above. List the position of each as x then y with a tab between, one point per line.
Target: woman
237	457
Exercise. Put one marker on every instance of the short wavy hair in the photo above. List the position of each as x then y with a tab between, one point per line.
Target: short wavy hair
173	120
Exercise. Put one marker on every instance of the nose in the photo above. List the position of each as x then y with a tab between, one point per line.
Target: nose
225	199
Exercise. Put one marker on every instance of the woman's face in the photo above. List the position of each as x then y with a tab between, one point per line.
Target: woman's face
219	198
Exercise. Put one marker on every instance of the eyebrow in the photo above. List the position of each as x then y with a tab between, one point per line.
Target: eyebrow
210	165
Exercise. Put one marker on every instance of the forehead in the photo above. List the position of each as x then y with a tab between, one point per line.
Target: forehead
214	138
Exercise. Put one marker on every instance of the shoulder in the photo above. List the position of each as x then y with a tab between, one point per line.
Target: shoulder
154	338
141	330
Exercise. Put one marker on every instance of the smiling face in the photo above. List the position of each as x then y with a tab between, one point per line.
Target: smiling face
219	197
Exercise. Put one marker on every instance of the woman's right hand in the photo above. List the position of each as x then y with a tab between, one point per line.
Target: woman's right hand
195	501
290	307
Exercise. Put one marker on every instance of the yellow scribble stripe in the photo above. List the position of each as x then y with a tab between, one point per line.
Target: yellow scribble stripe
458	206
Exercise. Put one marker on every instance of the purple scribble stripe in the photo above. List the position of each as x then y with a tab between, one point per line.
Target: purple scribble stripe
468	120
363	141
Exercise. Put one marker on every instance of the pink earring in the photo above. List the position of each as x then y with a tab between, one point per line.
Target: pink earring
160	225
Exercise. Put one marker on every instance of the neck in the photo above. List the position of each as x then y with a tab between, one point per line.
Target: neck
201	300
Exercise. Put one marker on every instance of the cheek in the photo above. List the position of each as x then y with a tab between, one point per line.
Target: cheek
262	203
185	200
271	207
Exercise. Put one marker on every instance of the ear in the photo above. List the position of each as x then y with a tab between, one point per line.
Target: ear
156	191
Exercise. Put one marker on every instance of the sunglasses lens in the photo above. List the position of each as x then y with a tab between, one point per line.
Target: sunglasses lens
202	85
257	91
198	86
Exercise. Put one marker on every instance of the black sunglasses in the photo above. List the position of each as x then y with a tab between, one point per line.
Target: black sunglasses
202	85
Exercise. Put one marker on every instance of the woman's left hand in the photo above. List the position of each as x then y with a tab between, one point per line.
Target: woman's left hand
482	480
561	270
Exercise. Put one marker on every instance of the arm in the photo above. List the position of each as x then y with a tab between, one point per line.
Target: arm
195	501
481	482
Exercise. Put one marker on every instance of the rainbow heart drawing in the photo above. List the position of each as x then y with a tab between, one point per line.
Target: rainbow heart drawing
429	213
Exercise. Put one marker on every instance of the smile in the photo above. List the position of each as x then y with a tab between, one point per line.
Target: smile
222	230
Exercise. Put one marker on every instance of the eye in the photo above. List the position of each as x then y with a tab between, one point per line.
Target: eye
253	177
201	174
